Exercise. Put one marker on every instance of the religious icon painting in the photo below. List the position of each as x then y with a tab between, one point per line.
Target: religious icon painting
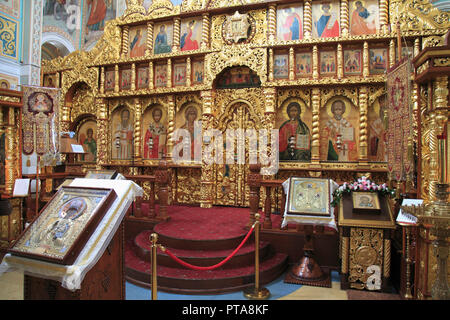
191	34
154	124
122	133
378	60
290	22
160	75
308	196
364	17
325	19
303	64
365	202
352	62
237	77
197	72
142	77
137	41
281	66
110	76
87	137
125	79
179	74
163	38
294	121
50	80
377	143
58	234
327	63
339	132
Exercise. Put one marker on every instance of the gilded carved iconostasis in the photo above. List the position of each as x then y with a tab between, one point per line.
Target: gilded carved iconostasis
315	71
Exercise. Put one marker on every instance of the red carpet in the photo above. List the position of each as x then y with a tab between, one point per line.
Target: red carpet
202	237
194	223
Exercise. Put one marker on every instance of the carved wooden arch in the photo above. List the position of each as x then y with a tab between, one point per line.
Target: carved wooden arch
234	56
78	121
375	93
119	104
349	94
251	97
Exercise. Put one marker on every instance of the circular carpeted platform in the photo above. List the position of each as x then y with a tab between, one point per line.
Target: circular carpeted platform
194	223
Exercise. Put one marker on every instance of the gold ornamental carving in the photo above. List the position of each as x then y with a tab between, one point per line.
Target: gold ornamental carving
366	249
254	58
235	27
418	15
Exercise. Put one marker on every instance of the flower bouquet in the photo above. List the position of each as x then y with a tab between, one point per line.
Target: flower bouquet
362	184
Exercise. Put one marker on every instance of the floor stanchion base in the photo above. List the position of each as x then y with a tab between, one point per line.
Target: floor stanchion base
253	294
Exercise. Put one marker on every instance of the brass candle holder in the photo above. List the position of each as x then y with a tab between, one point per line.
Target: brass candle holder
437	216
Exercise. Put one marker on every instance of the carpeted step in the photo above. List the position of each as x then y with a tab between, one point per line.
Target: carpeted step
187	281
245	255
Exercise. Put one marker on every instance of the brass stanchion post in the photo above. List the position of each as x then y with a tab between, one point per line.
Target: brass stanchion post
256	292
154	239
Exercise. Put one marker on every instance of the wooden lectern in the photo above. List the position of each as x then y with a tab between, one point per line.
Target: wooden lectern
105	281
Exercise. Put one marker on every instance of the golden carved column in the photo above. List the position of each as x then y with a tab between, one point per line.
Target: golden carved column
188	71
116	76
270	94
344	20
392	60
416	46
315	58
58	82
387	259
345	256
151	83
384	16
125	36
11	136
363	109
176	35
169	73
170	124
270	64
291	64
207	177
149	44
272	22
440	105
307	19
137	128
102	80
432	143
133	76
366	59
205	30
340	62
102	132
315	132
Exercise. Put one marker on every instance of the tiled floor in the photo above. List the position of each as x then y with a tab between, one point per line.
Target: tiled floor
11	288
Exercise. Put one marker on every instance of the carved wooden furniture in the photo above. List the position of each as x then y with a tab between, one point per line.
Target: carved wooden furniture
105	281
10	165
432	71
365	246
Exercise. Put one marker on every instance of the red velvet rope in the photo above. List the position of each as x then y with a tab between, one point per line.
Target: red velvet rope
191	266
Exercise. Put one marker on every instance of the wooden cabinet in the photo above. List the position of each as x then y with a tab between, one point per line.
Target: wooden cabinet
105	281
365	246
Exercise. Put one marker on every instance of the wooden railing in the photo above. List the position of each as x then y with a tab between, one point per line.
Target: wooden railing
161	180
256	183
